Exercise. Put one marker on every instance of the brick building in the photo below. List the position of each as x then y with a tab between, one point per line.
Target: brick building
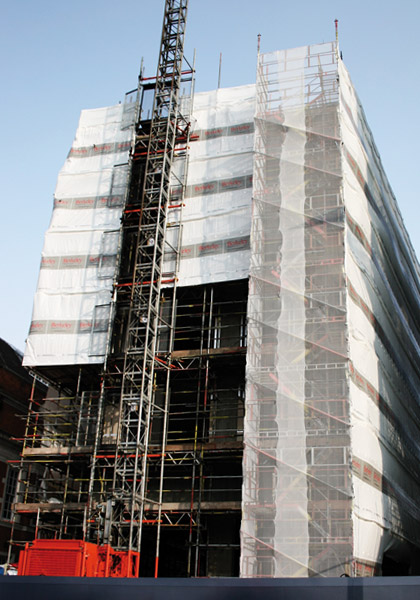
16	387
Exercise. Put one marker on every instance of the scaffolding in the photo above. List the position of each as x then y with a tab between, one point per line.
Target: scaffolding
296	488
193	484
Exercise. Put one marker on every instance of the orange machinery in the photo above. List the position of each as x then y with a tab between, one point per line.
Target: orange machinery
76	558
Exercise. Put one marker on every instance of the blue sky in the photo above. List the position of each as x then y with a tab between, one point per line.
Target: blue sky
60	57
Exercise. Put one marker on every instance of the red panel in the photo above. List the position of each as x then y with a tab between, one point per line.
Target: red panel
53	558
53	562
75	558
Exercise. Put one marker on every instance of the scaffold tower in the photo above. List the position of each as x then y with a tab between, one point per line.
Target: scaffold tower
129	380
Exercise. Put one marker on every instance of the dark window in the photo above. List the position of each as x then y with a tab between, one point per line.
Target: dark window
9	493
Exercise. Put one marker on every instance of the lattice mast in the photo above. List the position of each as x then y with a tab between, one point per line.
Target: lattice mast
158	140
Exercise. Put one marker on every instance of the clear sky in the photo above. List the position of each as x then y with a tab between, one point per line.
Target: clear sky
59	57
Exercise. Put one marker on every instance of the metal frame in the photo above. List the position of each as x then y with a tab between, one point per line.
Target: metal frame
148	202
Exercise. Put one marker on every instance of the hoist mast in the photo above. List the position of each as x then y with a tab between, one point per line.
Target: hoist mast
141	325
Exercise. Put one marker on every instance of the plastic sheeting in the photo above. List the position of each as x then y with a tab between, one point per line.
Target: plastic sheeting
384	345
80	249
217	213
72	304
332	403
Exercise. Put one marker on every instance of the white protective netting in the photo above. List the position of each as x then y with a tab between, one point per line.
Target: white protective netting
296	488
332	405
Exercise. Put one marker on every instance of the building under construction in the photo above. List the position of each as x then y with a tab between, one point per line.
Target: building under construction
228	306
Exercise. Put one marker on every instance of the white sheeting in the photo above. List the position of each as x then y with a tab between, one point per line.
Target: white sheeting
382	346
71	306
79	253
222	153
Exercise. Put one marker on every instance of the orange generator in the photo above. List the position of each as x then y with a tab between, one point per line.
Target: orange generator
75	558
